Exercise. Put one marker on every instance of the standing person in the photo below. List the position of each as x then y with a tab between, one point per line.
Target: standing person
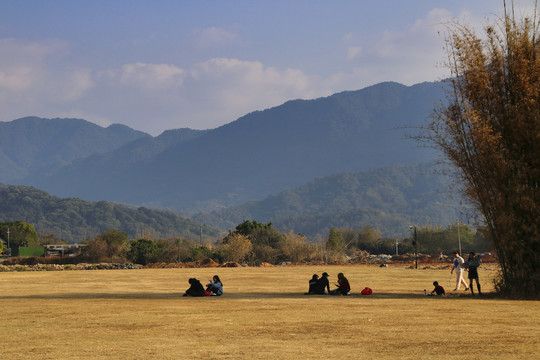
322	284
196	288
441	257
343	286
313	285
458	266
215	286
472	264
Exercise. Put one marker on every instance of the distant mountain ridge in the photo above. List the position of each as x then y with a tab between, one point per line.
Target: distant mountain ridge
33	147
259	154
390	198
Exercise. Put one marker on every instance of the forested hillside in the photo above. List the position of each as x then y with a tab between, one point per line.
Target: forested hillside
260	154
33	147
388	198
75	220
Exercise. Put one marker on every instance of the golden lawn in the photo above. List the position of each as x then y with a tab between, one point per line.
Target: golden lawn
141	314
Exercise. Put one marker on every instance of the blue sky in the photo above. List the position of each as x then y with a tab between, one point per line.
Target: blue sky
158	65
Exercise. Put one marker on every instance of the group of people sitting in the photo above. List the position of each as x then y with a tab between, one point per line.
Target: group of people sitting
316	286
213	288
321	286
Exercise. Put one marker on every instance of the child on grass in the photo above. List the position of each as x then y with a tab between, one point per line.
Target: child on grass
438	291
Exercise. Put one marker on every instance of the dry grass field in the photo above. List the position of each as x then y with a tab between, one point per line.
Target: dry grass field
140	314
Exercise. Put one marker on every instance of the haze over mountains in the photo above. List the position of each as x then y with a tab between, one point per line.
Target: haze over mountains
259	155
388	198
33	147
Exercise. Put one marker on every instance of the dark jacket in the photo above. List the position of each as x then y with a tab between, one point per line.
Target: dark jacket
196	288
313	285
322	283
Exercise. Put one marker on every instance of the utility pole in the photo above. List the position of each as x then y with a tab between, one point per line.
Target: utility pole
459	238
415	243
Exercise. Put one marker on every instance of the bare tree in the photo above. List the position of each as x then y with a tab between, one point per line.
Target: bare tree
237	247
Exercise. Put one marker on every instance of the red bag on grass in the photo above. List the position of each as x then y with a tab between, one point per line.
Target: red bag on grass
367	291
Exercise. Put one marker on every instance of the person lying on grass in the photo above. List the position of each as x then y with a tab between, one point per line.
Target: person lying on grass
439	290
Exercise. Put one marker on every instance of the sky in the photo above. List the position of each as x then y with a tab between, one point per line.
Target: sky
167	64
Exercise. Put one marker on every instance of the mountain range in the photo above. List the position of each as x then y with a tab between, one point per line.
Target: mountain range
252	167
260	154
32	147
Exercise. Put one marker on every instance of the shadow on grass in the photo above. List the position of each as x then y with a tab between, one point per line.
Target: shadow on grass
232	295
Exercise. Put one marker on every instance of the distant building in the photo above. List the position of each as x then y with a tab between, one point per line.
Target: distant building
7	251
63	250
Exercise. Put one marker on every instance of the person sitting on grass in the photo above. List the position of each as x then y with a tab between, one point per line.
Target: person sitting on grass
215	286
439	290
313	285
343	286
322	284
196	288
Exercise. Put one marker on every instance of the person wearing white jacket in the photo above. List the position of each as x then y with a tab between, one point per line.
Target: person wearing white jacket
458	266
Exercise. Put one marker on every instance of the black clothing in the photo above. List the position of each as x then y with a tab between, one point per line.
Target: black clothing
322	283
473	272
439	290
312	285
196	288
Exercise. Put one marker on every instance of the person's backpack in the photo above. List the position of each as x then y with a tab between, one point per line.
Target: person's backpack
367	291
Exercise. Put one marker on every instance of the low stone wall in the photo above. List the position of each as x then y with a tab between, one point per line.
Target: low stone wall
59	267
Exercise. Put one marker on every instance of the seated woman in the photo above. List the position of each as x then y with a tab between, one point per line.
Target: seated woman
215	286
343	286
313	285
196	288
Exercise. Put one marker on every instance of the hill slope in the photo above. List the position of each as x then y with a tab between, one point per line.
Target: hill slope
389	198
76	220
261	153
33	147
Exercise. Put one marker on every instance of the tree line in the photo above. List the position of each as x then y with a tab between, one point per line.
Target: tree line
253	243
75	220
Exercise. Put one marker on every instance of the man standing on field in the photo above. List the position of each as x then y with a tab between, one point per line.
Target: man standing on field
458	266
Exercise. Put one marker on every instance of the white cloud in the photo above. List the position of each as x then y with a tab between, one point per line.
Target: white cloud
216	37
408	55
152	77
153	97
156	97
31	81
231	87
